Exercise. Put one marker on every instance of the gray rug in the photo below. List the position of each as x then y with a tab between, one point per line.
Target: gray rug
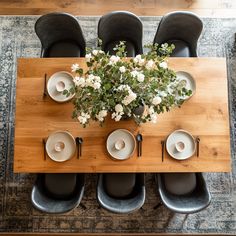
17	39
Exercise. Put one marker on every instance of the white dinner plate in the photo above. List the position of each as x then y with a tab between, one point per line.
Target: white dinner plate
69	147
180	136
67	79
129	140
190	82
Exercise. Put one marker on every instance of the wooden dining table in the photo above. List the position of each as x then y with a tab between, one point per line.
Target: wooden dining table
204	115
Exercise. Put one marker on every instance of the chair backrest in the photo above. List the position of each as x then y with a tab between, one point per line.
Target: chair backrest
180	25
55	27
192	202
121	25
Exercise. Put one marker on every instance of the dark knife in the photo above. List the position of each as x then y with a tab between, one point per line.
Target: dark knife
45	86
78	147
162	150
44	148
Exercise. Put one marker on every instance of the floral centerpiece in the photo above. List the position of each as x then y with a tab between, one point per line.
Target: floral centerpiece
138	88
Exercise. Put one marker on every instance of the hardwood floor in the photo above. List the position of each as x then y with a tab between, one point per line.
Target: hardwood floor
209	8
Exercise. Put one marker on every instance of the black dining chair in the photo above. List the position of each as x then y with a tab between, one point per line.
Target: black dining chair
121	26
184	193
57	193
181	29
60	35
121	193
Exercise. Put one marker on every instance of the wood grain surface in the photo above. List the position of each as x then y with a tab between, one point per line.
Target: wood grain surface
209	8
204	115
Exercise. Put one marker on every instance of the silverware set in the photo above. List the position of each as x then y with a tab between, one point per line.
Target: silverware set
139	139
79	142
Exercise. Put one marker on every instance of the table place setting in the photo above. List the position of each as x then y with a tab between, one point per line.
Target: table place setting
56	84
61	146
180	145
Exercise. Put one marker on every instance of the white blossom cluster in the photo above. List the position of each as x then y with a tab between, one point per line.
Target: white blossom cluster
74	67
90	56
83	118
113	60
139	60
151	112
117	115
101	115
131	95
138	75
91	81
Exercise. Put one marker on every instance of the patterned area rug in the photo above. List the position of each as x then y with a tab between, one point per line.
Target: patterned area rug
17	39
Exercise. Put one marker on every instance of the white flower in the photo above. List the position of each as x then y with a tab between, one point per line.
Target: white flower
140	77
150	64
93	81
74	67
114	59
162	93
150	110
163	65
83	118
118	108
79	81
122	69
95	52
138	59
118	117
129	98
156	100
124	87
88	57
96	85
100	116
154	118
134	73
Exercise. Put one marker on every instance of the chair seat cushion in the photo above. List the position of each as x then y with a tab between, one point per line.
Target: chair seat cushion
181	49
60	185
119	185
180	183
63	49
130	48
